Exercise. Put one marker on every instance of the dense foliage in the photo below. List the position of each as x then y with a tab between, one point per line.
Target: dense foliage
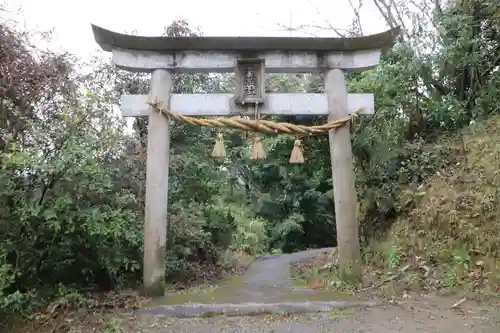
72	174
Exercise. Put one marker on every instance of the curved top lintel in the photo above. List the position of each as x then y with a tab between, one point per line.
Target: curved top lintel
108	40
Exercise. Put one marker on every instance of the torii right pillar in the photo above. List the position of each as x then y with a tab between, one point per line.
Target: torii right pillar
344	191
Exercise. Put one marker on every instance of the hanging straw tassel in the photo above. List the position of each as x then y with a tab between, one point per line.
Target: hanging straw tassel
257	150
297	156
219	149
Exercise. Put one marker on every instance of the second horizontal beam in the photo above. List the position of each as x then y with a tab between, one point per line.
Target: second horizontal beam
223	104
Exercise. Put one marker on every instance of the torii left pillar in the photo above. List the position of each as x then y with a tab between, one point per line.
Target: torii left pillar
156	207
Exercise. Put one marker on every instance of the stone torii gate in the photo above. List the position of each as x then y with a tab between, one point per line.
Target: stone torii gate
162	56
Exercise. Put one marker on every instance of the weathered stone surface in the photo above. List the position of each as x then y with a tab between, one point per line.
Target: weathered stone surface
249	309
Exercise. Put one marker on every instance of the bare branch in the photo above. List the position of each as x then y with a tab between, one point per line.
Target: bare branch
356	24
299	28
388	19
330	26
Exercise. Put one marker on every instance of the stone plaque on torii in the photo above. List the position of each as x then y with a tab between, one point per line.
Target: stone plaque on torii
162	56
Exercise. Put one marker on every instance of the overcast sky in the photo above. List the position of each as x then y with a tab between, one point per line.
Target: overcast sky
72	32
